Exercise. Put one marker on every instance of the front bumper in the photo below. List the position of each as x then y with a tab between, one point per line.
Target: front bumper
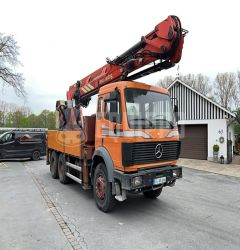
148	176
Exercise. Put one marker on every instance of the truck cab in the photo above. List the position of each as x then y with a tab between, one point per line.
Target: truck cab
132	119
136	137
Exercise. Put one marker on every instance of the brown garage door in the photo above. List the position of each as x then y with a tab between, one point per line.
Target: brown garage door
194	141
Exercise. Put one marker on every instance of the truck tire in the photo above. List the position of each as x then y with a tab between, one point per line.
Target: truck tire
102	189
62	169
152	194
54	165
35	155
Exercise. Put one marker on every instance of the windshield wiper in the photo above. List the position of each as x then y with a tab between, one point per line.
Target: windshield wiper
142	119
165	120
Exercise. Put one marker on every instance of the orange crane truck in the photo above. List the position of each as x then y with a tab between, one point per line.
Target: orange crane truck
131	144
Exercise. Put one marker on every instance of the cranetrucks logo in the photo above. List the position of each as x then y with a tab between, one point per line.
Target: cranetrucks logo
71	140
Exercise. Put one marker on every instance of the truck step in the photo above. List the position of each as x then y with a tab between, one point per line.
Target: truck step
74	166
74	178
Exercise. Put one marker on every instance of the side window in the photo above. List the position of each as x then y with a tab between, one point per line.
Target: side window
3	138
7	138
113	110
107	111
99	109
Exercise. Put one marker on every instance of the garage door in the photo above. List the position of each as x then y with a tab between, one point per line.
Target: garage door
194	141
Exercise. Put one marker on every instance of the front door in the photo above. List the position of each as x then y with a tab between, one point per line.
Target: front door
7	146
111	127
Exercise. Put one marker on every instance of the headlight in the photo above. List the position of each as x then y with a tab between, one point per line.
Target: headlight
173	134
176	173
137	181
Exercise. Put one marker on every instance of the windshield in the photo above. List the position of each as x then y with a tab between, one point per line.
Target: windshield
149	109
2	135
5	137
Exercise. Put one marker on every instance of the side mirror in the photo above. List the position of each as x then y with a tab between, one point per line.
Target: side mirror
113	111
175	109
118	118
113	99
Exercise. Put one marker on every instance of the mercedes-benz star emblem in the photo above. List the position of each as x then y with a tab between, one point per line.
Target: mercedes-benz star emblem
158	151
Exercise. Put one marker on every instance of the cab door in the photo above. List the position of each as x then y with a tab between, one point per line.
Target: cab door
7	146
99	123
111	129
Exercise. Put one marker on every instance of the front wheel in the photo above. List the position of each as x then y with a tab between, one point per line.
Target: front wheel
35	155
102	189
152	194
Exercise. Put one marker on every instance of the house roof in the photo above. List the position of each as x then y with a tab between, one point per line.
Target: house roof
198	93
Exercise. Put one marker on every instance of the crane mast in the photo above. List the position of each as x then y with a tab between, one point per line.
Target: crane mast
162	47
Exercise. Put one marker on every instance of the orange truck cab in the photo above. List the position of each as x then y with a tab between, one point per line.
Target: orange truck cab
131	145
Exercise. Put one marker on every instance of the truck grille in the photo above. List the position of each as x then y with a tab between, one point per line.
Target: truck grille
145	152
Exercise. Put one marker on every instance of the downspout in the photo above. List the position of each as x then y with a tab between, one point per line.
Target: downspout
229	122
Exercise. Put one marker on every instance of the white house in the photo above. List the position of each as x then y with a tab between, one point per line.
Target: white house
202	123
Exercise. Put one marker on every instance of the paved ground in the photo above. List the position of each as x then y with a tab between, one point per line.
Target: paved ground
25	220
224	169
236	159
200	212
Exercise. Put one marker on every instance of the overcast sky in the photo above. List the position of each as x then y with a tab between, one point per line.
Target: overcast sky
63	41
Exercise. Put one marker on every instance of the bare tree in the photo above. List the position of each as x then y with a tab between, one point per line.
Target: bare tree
166	81
12	115
226	89
9	52
238	76
26	111
198	82
3	112
237	115
237	95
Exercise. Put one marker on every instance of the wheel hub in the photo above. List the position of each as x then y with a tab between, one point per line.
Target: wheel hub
100	187
60	168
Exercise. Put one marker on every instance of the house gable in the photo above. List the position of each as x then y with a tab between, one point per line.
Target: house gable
194	105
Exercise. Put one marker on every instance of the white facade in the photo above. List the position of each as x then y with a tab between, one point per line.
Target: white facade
196	109
216	128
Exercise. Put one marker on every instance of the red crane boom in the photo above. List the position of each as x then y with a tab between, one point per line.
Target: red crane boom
164	43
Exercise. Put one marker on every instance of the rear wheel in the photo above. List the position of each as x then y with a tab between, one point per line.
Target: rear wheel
62	169
35	155
102	189
54	165
152	194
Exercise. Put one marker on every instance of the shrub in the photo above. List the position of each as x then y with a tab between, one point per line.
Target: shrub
215	148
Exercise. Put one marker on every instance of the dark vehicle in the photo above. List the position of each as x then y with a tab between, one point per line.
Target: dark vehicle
22	144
